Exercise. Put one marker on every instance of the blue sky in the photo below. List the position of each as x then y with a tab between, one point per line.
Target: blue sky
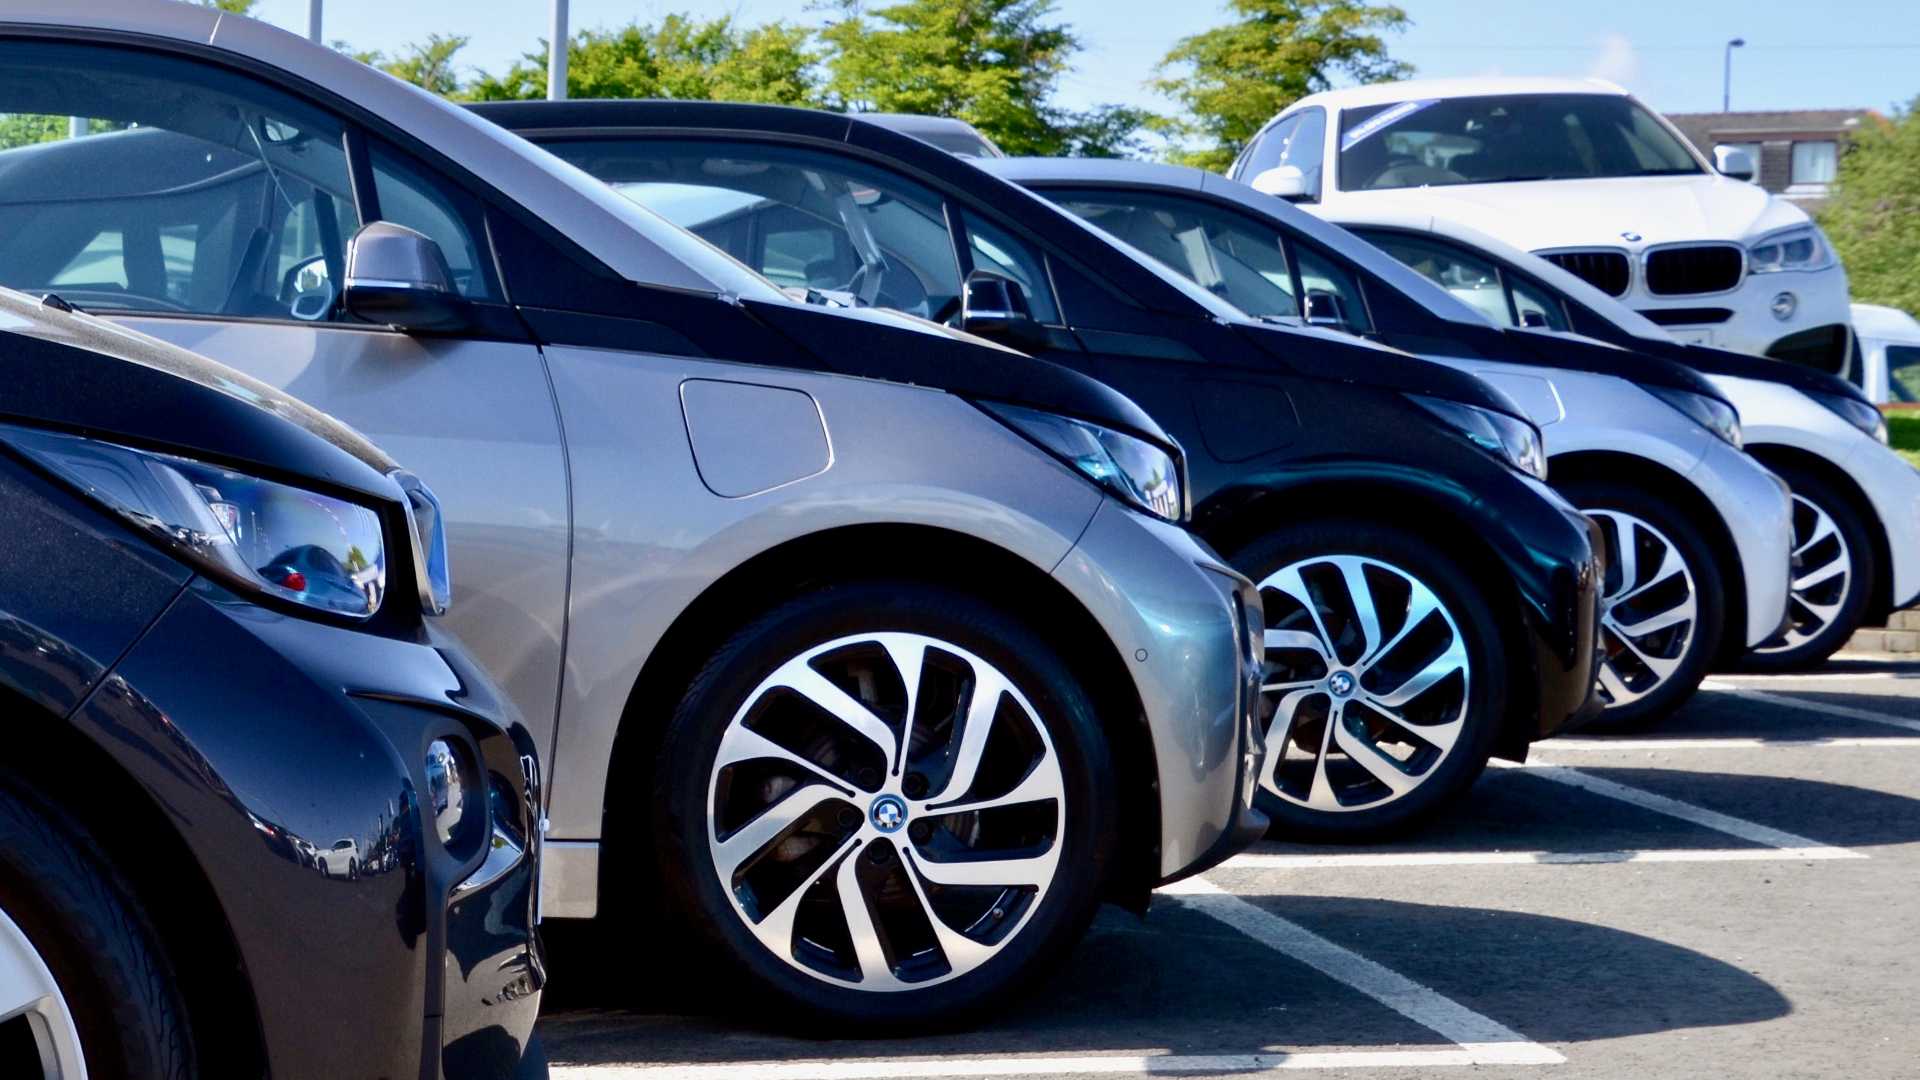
1840	53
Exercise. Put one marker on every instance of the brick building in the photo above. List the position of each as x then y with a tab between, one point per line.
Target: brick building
1796	152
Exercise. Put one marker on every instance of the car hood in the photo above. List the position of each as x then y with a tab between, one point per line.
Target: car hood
1337	357
1657	209
74	372
878	343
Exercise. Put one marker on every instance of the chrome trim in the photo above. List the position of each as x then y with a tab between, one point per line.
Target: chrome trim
1633	264
390	283
503	854
426	528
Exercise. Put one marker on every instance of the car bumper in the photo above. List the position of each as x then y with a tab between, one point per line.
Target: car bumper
1749	324
1186	625
1757	509
1562	619
292	755
1893	487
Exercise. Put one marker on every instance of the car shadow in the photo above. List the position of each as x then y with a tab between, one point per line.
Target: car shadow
1179	982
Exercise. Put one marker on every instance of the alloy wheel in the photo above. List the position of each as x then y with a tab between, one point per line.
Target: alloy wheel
1367	683
1822	574
886	812
1649	608
29	995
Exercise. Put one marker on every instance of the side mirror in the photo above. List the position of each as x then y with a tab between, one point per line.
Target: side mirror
400	278
1325	309
1734	161
1284	181
995	307
1534	320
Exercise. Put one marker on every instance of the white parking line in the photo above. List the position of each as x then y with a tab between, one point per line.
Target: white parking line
1737	743
1845	711
1359	860
1661	804
1103	1065
1486	1040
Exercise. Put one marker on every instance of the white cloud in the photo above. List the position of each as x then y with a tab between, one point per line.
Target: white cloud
1616	61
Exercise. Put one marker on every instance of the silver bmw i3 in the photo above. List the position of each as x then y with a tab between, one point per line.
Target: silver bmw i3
871	653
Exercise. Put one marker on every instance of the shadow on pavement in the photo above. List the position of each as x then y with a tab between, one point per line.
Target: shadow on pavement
1181	983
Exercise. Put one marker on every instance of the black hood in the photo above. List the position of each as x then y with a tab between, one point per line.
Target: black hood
1339	357
1713	361
876	343
80	374
1571	352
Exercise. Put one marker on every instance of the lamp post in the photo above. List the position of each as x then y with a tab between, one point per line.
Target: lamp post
313	21
1726	76
557	54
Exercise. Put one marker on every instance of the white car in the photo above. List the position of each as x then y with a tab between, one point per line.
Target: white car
1856	503
1889	368
1580	172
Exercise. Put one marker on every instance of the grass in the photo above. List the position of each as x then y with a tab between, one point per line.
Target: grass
1903	432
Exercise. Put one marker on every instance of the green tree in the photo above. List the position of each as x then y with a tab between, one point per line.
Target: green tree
996	64
678	57
428	65
1234	78
231	7
1873	218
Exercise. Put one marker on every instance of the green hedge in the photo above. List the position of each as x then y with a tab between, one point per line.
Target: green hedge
1903	431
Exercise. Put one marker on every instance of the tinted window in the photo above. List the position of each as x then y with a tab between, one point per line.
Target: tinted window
1536	307
1308	147
1266	150
1333	295
410	196
993	249
1504	139
181	189
800	217
1903	373
1231	255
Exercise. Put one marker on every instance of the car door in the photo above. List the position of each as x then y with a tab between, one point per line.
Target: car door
211	209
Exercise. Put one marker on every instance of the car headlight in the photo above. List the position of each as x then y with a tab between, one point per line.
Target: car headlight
1508	438
1854	411
1802	247
1139	472
300	546
1711	413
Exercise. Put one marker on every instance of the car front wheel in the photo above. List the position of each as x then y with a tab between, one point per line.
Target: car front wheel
889	804
1833	578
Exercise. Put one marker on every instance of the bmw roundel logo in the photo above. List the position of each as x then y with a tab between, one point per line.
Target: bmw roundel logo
888	813
1631	237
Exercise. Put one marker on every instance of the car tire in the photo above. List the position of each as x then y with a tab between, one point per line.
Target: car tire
1436	744
1831	540
1646	675
804	955
106	973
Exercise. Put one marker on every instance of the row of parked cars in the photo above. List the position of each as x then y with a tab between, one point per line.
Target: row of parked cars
869	560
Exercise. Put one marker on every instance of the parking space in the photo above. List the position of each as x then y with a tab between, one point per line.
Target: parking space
1731	894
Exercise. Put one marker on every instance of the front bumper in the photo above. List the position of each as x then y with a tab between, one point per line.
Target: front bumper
1186	625
1893	487
1757	508
292	756
1562	618
1819	300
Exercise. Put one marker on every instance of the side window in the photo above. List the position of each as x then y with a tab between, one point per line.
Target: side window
450	217
1473	281
131	181
1238	259
1332	293
799	217
1903	373
1537	308
991	248
1307	147
1267	148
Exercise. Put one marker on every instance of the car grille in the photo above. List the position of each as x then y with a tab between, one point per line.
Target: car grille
1687	316
1687	271
1604	270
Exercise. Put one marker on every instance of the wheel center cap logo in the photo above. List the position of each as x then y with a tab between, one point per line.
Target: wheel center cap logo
888	813
1341	683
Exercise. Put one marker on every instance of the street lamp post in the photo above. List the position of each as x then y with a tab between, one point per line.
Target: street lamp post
1726	76
557	54
313	21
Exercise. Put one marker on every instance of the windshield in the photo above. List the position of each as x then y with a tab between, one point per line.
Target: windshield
1505	139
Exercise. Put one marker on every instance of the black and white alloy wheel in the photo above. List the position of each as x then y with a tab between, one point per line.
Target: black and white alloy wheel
886	804
885	856
1649	608
1833	576
33	1008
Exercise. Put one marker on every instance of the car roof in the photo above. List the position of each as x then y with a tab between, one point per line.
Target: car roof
613	229
1180	178
1478	86
1879	321
916	124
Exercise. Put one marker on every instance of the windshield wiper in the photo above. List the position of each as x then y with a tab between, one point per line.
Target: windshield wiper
59	303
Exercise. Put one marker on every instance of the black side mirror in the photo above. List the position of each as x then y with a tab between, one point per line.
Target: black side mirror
995	307
1325	309
400	278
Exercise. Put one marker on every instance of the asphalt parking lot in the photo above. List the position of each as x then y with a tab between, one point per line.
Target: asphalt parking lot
1734	894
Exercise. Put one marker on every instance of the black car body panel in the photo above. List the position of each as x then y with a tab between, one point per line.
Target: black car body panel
1273	419
280	755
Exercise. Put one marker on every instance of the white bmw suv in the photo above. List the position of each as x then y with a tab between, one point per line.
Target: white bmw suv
1582	173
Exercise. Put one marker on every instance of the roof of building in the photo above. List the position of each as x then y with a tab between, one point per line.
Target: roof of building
1705	129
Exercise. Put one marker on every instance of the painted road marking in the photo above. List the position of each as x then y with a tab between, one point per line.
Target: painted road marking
1881	741
1357	860
1101	1065
1845	711
1674	808
1485	1039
